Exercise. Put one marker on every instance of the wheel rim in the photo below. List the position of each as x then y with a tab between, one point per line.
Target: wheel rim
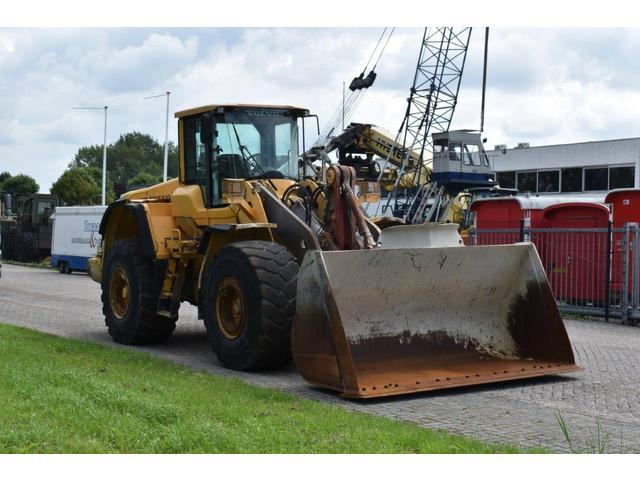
119	292
230	309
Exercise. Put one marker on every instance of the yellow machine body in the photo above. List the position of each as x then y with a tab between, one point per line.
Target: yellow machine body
281	267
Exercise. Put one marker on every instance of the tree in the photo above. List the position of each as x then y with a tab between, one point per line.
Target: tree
143	179
132	154
20	184
96	175
4	176
76	186
172	160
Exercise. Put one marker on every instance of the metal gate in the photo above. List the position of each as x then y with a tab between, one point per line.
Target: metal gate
593	271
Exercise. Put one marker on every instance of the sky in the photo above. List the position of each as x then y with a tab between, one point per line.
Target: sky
544	86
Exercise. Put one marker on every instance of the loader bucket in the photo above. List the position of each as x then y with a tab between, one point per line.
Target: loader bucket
372	323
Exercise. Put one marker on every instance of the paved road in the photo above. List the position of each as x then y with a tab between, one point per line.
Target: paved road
605	397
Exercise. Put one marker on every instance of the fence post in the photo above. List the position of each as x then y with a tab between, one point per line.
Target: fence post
635	273
624	294
607	282
521	230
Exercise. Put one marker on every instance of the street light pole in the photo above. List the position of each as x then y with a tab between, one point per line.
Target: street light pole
166	135
104	151
104	160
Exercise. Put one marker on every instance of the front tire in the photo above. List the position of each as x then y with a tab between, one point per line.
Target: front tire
248	300
129	299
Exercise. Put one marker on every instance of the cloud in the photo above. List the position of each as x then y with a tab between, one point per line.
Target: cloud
544	85
137	67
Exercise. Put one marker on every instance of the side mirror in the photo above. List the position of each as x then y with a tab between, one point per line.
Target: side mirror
484	140
206	129
317	121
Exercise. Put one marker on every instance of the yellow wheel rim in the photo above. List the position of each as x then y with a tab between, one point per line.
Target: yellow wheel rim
119	292
230	309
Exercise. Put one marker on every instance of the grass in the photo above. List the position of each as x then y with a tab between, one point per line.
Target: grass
61	395
599	443
44	263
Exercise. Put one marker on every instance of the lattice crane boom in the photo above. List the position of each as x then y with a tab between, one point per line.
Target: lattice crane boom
433	94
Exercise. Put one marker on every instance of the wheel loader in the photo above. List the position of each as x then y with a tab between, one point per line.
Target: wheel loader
281	264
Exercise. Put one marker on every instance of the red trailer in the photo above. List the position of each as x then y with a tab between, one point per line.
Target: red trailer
575	262
575	215
498	220
625	205
573	253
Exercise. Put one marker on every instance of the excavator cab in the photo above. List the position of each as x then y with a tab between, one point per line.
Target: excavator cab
460	162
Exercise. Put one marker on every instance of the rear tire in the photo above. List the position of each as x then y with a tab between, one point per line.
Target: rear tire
248	302
129	300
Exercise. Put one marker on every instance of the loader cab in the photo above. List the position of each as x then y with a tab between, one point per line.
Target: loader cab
460	162
237	142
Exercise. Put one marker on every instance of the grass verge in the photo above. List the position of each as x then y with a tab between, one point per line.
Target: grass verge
45	263
68	396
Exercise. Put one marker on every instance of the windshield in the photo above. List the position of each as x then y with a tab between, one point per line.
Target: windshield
258	143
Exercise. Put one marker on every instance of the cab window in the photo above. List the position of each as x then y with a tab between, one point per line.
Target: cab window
455	151
471	155
195	171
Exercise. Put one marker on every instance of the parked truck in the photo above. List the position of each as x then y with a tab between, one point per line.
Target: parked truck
75	237
25	227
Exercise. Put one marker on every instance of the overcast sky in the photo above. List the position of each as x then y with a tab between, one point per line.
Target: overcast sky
544	85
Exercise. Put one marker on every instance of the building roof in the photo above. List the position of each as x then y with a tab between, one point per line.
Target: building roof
624	151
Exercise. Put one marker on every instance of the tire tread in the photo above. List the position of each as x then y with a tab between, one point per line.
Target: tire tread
149	327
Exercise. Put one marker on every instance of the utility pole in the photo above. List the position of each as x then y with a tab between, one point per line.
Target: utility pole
104	160
484	77
166	135
104	150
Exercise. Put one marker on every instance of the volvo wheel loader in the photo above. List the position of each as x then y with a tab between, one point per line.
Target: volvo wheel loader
282	264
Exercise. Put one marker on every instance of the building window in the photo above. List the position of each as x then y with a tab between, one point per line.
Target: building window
571	179
549	181
506	179
596	179
621	177
527	182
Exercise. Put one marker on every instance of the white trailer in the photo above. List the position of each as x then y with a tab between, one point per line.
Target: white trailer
75	237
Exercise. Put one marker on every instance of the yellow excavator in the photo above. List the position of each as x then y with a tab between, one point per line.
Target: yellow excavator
452	185
283	265
363	145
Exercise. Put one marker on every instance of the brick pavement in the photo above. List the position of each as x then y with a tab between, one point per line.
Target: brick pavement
605	397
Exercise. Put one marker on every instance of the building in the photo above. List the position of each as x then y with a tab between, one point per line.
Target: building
576	168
